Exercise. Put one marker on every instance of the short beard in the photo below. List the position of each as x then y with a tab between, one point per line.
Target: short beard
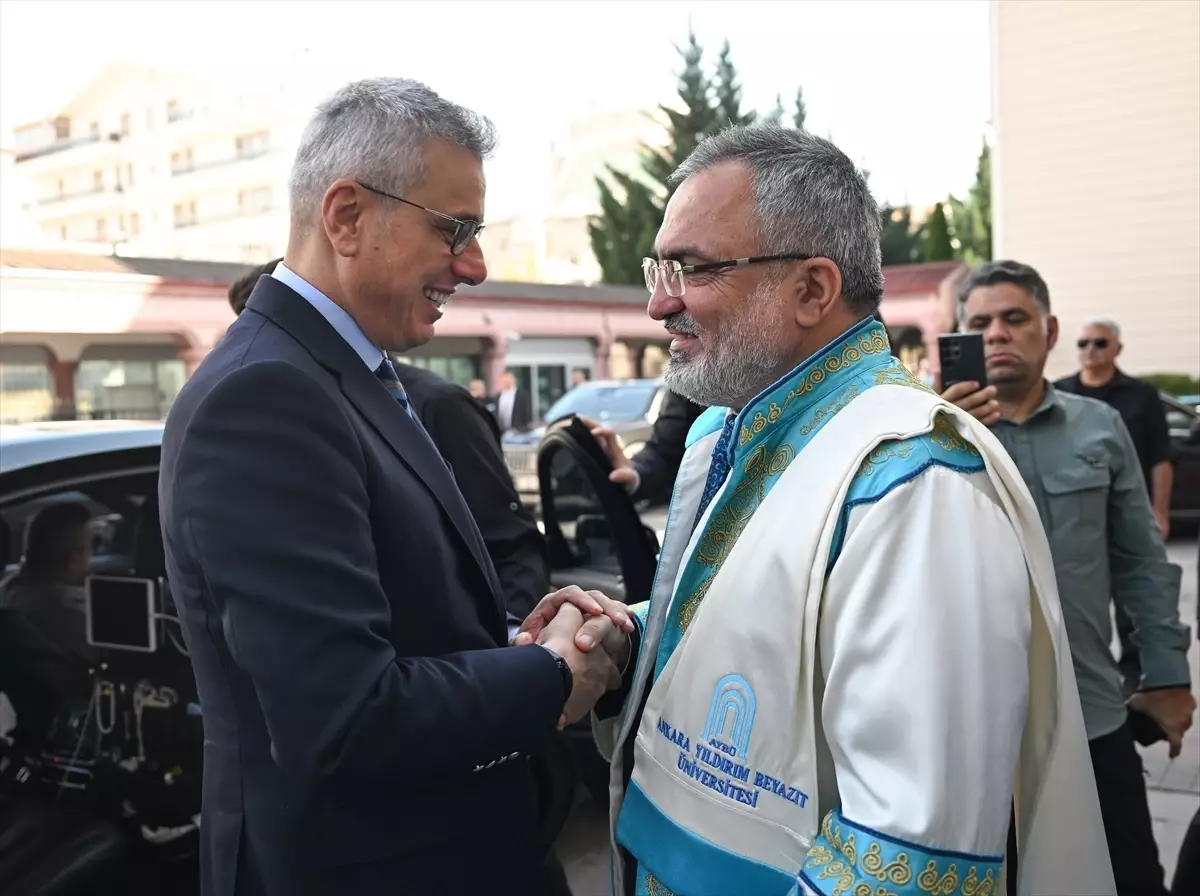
735	365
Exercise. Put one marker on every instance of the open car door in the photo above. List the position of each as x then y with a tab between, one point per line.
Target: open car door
594	536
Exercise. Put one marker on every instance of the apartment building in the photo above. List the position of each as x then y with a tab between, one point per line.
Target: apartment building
156	164
1096	109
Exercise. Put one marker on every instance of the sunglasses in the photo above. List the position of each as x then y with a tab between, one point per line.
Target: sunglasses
1099	343
464	231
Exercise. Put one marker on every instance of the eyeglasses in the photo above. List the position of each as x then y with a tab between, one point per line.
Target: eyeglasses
671	272
464	231
1101	342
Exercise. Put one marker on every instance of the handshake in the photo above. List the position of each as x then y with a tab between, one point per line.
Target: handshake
572	622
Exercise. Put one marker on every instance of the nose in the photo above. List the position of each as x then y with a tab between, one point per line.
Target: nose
662	305
997	332
470	267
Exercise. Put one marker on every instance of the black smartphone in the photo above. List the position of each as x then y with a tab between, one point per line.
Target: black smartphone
961	357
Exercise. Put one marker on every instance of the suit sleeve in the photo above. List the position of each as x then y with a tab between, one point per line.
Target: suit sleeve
274	498
923	640
657	464
458	427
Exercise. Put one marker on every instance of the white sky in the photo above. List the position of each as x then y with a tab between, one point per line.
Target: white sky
902	86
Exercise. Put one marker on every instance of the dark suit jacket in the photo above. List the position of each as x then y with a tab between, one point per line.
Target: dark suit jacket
468	436
365	731
522	410
657	464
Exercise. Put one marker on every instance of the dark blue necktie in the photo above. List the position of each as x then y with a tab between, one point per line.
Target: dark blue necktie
718	470
390	379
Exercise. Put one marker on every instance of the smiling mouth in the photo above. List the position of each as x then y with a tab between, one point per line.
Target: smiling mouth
439	297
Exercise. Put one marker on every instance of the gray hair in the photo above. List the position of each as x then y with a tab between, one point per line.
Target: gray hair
1004	271
1108	323
809	199
376	131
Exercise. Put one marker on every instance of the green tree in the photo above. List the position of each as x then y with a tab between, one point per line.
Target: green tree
801	114
623	232
775	116
728	92
971	221
937	236
899	241
685	129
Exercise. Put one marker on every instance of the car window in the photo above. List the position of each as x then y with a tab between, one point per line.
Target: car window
606	404
1179	419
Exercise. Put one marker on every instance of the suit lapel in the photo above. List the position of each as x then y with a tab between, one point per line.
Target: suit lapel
290	311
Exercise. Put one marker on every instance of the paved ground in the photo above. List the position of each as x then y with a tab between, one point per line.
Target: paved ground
1174	785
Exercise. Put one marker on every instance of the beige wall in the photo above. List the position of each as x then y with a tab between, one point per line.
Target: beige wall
1096	178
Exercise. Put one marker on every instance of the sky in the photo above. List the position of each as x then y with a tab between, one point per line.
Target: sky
902	86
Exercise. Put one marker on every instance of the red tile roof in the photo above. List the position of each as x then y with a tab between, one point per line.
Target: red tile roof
906	279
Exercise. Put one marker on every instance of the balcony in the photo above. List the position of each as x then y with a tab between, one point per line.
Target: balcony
78	194
184	170
64	145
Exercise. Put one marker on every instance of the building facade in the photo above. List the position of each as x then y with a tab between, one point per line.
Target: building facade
108	336
1096	113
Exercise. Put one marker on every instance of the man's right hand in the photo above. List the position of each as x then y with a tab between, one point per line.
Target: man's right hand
623	472
979	403
593	672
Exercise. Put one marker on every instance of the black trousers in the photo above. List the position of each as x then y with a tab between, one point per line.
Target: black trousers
1121	786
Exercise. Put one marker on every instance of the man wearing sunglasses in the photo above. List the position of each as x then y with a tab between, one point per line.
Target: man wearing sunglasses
1136	401
852	664
367	728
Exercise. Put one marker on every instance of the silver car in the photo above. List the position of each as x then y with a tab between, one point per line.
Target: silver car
629	407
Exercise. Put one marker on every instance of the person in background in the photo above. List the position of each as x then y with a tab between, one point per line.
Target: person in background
478	389
240	289
514	411
1081	467
1135	400
579	376
1142	412
48	588
650	474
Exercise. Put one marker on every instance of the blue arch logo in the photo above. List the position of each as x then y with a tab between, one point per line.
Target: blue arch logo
731	713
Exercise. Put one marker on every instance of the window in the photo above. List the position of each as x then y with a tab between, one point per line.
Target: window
185	214
101	228
121	224
62	188
251	145
175	111
62	232
124	124
137	387
94	129
26	388
62	128
97	181
129	175
181	161
135	224
255	201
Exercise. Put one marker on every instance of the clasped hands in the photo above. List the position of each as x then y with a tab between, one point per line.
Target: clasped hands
572	622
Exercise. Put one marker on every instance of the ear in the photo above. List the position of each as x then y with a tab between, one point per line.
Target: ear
1120	348
1051	332
342	211
815	288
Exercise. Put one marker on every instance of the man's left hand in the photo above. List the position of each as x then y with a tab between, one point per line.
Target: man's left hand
1171	708
1164	523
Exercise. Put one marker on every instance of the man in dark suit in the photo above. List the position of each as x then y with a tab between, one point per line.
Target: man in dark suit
514	410
468	437
366	731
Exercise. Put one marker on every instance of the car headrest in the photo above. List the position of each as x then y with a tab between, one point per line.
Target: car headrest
149	559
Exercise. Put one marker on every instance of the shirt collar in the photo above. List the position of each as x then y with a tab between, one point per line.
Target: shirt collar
339	318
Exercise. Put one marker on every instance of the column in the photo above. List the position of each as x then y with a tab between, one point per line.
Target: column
495	358
63	373
601	353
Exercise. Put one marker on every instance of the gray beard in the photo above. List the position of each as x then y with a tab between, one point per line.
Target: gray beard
735	368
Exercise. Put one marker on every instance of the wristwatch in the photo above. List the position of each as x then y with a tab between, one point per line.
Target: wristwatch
568	677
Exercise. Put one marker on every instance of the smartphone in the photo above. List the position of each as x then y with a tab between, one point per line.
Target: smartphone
961	357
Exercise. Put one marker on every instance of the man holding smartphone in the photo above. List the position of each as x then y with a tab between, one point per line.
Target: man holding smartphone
1079	463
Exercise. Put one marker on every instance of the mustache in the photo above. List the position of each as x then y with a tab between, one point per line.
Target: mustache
682	322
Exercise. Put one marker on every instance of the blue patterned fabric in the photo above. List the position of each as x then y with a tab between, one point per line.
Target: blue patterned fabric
718	469
850	858
388	376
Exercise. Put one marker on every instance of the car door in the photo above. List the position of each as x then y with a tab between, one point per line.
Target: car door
594	536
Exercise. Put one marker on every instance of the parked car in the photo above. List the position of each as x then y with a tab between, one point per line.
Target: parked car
97	797
1183	424
629	407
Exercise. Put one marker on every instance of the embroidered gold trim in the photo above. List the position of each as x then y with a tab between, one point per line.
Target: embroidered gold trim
943	884
871	343
881	453
654	887
973	886
900	376
944	435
